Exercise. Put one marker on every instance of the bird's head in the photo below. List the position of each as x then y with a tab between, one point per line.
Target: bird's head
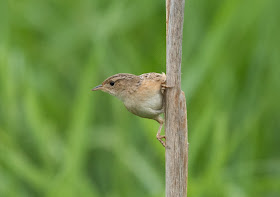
117	85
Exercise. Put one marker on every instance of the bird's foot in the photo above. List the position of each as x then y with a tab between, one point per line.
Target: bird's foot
164	86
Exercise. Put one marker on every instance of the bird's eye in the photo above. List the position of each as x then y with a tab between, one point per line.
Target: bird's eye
112	83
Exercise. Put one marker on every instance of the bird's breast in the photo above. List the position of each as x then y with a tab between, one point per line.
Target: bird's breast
147	107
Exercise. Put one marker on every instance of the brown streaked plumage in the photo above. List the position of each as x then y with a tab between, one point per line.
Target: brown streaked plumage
142	95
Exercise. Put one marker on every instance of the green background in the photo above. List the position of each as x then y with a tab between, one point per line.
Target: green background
57	138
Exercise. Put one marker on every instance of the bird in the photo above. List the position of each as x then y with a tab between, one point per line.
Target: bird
142	95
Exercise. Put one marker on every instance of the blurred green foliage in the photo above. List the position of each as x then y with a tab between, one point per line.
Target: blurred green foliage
57	138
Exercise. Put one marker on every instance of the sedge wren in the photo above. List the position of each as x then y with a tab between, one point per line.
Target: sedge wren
142	95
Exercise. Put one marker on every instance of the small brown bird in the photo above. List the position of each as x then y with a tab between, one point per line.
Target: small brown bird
142	95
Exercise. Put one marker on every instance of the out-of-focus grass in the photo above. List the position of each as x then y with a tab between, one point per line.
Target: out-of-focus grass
59	139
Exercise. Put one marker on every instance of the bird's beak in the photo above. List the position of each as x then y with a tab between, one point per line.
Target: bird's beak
99	87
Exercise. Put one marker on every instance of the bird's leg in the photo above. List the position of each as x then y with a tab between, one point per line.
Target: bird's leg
159	137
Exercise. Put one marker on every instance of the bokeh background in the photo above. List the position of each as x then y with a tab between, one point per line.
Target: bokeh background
57	138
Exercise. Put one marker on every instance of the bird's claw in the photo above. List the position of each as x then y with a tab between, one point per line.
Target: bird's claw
164	86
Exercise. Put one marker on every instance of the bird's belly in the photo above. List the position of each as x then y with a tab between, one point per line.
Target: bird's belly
147	108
